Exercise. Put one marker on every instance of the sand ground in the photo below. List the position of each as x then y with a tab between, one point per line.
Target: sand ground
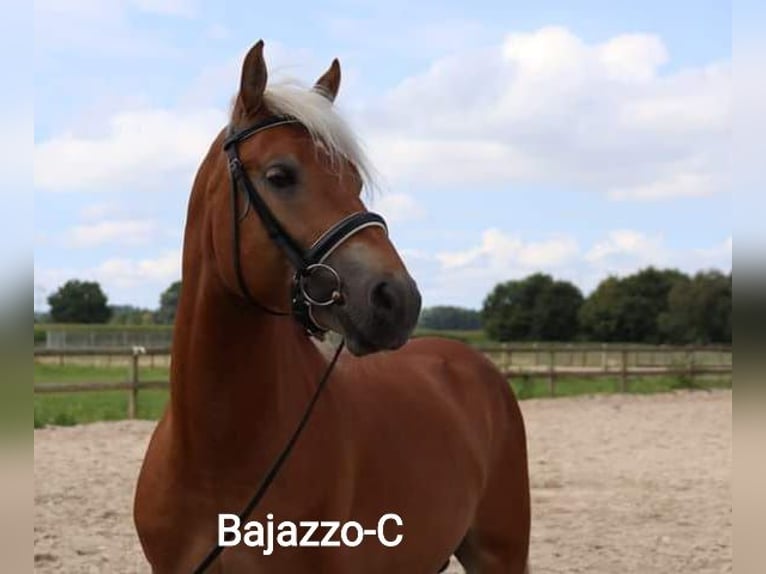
620	484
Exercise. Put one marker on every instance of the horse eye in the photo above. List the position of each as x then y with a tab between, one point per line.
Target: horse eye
281	177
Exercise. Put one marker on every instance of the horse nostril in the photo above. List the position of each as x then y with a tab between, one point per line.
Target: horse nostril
382	296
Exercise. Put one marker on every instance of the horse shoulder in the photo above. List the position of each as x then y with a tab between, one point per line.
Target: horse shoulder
473	383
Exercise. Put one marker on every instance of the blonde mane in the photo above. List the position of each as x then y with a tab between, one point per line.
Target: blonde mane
325	125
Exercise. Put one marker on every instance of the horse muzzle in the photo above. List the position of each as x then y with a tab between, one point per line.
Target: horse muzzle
378	314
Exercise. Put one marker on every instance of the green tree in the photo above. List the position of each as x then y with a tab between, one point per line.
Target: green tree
443	317
536	308
166	314
699	310
79	302
601	315
628	309
131	315
555	316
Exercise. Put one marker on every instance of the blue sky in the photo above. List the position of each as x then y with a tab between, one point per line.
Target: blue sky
575	138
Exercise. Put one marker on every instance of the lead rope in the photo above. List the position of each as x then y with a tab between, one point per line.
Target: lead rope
268	479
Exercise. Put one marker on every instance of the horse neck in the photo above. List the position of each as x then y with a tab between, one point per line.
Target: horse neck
238	375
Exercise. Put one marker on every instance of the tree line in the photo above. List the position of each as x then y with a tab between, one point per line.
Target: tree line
85	302
651	306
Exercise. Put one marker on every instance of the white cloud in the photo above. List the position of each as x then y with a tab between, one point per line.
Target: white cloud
99	210
139	149
142	147
639	247
626	251
127	273
452	276
542	107
410	254
549	52
415	160
106	26
632	57
121	232
398	207
718	256
546	107
135	281
500	251
466	276
678	185
93	10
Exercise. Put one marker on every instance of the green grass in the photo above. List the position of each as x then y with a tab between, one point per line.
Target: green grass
75	408
100	327
533	388
473	337
65	409
54	373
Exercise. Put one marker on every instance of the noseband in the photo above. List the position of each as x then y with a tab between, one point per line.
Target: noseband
306	262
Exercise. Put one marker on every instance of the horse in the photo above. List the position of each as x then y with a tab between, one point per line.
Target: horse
424	435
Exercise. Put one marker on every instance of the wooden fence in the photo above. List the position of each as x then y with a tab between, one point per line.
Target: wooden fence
549	362
622	362
133	385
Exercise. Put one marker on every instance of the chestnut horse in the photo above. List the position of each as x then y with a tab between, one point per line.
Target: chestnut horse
428	430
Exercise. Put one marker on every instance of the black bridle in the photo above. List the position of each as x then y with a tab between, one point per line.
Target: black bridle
306	262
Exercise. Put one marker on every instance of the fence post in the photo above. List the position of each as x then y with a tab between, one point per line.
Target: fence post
623	370
551	373
691	365
603	357
133	392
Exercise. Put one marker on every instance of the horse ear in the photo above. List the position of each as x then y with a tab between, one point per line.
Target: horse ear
254	77
329	83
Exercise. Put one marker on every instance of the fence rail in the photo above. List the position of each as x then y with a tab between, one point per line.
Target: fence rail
532	361
101	351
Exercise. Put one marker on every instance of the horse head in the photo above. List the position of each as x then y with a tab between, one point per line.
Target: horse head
289	228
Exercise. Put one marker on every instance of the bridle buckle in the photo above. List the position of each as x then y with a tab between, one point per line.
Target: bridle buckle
336	295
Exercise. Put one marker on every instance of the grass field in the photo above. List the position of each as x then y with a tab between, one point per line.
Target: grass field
473	337
75	408
99	327
84	407
74	373
468	336
533	388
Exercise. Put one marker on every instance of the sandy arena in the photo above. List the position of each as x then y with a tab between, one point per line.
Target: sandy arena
620	484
